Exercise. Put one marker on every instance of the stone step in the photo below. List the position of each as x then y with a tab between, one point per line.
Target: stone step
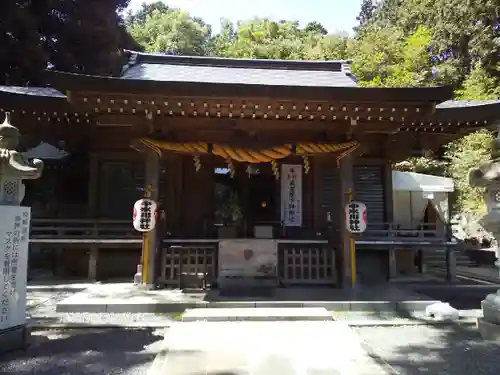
257	314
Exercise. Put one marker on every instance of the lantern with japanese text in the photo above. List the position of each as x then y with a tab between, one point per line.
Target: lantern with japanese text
355	217
145	213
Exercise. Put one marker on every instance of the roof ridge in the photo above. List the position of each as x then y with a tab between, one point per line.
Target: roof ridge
136	58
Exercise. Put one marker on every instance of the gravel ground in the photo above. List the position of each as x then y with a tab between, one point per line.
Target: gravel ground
125	319
432	350
85	352
398	317
461	296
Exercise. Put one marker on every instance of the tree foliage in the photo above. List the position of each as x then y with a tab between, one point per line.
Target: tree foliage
76	36
158	28
462	155
385	57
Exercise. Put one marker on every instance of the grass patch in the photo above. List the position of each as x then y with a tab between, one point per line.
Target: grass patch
354	313
175	315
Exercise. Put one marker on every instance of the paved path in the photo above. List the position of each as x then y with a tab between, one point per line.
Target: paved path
264	348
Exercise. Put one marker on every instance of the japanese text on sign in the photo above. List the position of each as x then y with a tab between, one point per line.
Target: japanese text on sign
291	193
355	217
4	302
14	229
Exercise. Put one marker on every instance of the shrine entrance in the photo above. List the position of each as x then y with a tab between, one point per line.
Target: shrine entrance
246	201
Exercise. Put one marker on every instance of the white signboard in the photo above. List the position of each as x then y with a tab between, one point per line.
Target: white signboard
247	258
355	217
14	237
291	195
144	217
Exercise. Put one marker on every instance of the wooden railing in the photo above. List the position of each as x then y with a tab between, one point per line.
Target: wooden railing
188	264
394	230
89	231
306	262
392	234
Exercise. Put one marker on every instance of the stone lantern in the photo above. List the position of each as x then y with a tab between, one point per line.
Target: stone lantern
487	176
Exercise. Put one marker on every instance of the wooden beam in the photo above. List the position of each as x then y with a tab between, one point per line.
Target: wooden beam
262	107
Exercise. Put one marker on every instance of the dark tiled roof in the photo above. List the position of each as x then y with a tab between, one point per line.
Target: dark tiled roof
468	110
166	68
32	91
455	104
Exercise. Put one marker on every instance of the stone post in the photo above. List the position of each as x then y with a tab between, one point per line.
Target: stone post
487	176
14	230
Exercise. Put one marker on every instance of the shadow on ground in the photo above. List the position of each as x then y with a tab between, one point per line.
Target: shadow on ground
431	350
88	352
459	296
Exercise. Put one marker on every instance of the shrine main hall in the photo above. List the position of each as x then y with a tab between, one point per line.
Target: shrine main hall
251	162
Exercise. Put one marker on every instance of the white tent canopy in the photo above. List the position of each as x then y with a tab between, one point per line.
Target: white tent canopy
413	192
409	181
45	151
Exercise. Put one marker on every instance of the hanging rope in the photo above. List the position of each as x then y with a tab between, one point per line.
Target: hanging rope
246	155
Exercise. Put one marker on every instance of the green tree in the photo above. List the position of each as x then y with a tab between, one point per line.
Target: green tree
141	15
385	57
267	39
158	28
315	28
479	85
365	14
71	35
462	155
463	33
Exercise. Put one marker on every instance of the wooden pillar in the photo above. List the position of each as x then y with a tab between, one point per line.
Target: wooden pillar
347	185
93	186
388	193
389	216
451	264
93	257
150	239
92	213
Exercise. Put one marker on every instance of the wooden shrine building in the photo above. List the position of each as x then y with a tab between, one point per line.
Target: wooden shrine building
251	161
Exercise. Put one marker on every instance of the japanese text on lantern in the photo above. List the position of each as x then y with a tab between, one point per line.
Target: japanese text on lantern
4	301
355	216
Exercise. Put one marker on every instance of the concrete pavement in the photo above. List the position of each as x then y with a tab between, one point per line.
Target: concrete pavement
264	348
127	298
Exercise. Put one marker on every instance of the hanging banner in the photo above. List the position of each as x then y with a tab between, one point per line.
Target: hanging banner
14	230
291	195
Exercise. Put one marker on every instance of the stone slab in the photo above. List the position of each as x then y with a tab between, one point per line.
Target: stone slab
264	348
123	298
14	338
261	314
489	331
491	308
